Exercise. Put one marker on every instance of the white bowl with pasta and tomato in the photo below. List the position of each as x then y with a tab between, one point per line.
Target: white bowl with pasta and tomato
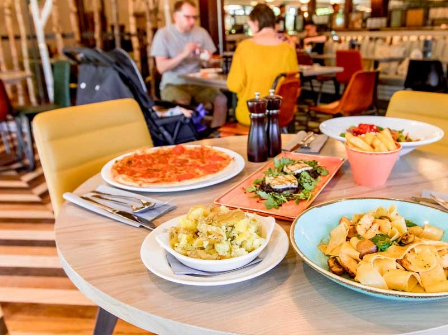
409	133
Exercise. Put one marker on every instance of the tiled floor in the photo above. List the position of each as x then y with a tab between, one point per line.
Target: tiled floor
35	294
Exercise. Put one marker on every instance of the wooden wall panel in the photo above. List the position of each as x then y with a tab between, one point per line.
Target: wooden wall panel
208	12
379	8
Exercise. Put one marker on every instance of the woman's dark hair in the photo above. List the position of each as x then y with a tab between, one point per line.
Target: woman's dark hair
263	15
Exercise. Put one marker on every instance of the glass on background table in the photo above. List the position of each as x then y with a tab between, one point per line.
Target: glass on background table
102	258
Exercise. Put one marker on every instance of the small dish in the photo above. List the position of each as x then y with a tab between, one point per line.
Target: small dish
267	225
237	197
154	258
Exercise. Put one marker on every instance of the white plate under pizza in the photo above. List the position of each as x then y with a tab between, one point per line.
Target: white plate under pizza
172	168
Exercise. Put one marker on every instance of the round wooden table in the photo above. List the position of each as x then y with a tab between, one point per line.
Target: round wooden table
102	258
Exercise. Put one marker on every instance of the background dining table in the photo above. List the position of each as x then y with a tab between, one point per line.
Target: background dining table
219	80
102	258
375	59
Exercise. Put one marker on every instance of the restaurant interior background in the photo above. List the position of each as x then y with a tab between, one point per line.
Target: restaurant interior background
35	294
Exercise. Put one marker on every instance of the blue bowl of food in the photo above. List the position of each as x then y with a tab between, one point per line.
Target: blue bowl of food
386	248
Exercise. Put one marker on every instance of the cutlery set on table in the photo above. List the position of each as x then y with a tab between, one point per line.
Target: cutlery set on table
433	198
306	142
126	207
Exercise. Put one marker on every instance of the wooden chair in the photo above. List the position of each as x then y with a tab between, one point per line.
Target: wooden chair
427	107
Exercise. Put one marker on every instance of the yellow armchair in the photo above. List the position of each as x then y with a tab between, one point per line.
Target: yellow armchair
75	142
431	108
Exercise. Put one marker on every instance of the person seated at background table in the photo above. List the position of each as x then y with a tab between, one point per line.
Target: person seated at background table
178	49
280	20
313	42
259	60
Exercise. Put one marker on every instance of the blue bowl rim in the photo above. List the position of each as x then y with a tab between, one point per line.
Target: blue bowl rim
352	283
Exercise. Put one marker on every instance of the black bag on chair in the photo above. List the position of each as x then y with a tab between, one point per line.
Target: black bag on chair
426	75
114	75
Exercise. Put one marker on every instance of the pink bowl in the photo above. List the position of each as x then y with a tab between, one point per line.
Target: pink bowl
371	169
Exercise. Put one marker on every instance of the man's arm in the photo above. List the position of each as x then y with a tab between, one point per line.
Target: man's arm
164	63
315	39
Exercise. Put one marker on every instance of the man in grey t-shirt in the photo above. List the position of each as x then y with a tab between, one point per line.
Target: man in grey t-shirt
176	49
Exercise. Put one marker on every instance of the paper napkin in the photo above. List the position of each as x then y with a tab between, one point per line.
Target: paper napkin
315	146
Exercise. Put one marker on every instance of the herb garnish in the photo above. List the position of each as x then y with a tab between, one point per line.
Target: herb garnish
275	200
321	170
382	241
410	223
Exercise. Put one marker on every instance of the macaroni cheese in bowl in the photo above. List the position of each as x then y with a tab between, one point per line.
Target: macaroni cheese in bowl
217	239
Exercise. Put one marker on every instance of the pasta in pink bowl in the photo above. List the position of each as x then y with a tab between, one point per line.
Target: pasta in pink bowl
382	247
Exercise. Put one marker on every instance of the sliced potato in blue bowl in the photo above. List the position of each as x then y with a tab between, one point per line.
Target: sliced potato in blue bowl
386	248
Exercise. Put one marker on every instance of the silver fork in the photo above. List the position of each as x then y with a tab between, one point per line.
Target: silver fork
307	143
301	142
441	202
145	205
135	209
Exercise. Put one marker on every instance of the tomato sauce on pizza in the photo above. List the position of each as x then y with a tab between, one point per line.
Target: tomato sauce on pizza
170	165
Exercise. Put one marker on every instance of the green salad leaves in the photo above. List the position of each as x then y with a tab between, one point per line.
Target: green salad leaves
306	183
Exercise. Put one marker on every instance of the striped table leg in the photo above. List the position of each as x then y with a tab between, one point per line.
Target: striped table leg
3	329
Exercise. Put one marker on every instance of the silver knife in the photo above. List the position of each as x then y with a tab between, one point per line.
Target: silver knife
301	142
126	215
424	199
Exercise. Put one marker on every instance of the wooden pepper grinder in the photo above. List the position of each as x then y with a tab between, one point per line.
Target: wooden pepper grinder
273	127
257	142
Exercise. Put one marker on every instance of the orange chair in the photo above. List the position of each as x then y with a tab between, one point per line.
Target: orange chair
233	128
351	61
286	85
359	96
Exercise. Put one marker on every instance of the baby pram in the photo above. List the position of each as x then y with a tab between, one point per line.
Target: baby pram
114	75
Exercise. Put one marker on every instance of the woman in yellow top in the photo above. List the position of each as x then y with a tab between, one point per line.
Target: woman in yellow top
259	60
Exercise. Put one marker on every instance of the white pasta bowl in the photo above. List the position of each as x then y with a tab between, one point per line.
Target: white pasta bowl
426	133
267	226
313	226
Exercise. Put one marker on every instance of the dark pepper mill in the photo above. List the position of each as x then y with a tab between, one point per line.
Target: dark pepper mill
257	142
273	127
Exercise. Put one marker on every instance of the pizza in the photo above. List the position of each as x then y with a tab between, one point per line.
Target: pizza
174	165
